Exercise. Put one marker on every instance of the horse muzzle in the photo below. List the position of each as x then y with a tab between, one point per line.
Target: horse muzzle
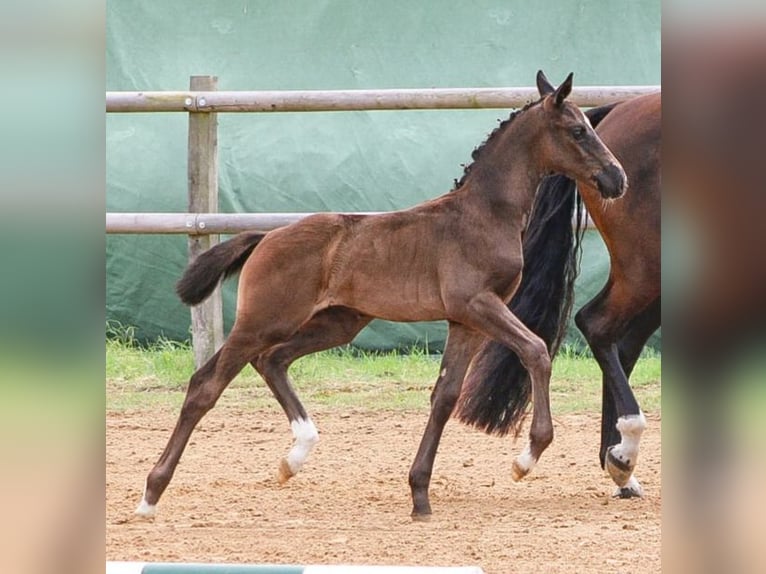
611	181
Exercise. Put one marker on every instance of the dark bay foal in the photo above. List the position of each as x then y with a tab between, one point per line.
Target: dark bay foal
618	321
315	284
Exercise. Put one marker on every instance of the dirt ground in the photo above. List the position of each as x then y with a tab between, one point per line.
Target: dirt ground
351	502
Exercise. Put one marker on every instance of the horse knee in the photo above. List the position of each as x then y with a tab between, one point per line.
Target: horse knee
537	359
199	398
597	335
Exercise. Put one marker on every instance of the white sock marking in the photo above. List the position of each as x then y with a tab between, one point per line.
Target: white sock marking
145	509
525	460
306	436
631	428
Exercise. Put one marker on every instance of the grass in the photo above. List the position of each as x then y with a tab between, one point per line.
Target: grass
156	377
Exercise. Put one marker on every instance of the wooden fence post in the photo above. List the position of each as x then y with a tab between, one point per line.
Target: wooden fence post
207	317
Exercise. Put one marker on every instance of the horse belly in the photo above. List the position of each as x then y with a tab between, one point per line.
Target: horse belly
392	296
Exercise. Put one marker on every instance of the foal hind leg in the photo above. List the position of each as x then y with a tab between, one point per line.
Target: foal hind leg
205	386
462	344
327	329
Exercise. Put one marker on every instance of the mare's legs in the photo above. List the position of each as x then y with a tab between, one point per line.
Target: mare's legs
205	386
488	314
327	329
602	322
629	347
462	344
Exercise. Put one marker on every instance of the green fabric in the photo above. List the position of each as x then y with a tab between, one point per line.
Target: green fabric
341	161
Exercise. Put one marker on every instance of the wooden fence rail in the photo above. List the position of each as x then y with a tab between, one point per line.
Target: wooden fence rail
349	100
200	223
205	223
202	102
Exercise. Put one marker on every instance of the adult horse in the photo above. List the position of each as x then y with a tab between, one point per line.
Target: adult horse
617	322
315	284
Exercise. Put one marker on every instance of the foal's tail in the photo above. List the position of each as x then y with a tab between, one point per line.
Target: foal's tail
497	389
203	274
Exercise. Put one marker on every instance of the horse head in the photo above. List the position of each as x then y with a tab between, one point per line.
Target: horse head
568	143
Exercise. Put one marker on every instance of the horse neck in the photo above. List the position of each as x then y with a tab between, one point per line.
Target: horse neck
506	175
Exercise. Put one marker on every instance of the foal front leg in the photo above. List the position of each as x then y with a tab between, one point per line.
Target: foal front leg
462	344
488	313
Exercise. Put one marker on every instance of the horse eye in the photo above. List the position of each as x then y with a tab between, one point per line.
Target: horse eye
578	132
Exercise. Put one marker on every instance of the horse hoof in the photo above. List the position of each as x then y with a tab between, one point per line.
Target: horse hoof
421	517
284	473
145	512
518	471
631	490
620	470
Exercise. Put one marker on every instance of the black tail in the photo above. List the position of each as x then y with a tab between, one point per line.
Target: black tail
203	274
497	389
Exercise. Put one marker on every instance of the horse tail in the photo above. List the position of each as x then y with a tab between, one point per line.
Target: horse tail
217	263
595	115
497	390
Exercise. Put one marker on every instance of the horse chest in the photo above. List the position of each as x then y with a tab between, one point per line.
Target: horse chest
503	272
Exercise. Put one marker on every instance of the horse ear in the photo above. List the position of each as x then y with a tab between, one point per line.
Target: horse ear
563	90
543	85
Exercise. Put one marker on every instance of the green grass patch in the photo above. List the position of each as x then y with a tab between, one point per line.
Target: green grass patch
156	377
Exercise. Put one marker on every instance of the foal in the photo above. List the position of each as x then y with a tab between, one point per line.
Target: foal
315	284
617	322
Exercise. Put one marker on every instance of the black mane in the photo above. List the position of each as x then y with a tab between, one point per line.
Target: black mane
476	154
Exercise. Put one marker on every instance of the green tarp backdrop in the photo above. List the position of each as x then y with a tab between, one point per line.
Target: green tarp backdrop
336	161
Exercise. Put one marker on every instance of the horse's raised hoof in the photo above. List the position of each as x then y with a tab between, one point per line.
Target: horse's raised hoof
522	464
518	471
631	490
619	467
284	473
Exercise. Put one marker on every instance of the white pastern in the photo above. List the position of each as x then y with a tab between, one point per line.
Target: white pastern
631	428
632	485
523	464
306	436
146	510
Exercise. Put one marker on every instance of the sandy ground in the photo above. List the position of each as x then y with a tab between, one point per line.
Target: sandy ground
351	503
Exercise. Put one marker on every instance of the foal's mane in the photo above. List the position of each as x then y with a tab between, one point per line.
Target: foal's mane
476	154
